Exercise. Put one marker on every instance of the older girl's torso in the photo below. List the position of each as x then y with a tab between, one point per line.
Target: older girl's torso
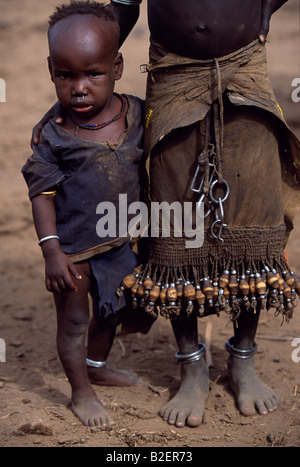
204	29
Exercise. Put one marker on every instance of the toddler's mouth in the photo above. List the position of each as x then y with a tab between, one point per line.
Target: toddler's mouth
80	106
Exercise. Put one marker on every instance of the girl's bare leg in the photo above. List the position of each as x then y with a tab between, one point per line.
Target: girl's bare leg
187	406
252	395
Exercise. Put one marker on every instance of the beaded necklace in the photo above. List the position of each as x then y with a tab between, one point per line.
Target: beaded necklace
98	126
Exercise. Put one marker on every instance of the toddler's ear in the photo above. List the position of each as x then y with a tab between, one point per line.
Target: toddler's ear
118	66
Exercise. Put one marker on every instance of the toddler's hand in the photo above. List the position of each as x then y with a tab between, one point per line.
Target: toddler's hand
60	273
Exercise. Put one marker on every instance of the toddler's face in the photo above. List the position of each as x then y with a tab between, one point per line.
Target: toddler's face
84	68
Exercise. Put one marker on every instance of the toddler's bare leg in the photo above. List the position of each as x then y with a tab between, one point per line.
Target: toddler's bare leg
101	337
252	395
72	323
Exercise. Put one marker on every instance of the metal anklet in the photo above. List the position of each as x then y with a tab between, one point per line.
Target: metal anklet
240	353
94	364
191	357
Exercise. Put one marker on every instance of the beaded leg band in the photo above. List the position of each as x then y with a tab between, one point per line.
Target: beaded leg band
184	358
239	353
93	364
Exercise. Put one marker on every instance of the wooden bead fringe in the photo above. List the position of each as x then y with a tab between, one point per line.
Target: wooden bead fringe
229	291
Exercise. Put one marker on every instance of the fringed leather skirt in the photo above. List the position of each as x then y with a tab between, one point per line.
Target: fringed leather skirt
237	159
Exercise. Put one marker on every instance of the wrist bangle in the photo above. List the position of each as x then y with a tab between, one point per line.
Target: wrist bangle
45	239
128	2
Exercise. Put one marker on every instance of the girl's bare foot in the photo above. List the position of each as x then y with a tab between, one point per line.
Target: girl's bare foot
187	406
252	395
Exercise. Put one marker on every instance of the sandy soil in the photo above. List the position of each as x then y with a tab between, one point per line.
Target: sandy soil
34	393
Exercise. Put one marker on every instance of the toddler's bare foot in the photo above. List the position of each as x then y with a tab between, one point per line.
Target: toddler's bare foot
252	395
90	411
108	377
187	406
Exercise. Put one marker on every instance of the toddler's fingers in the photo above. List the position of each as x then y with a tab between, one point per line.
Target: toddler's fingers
53	286
75	272
48	285
66	284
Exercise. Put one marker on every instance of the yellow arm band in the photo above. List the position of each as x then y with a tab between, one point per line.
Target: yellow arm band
53	193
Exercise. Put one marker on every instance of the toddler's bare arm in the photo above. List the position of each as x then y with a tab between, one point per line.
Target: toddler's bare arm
60	271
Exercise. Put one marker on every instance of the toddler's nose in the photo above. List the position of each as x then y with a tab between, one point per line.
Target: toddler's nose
79	89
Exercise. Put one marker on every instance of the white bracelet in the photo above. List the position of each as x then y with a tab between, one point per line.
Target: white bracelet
42	240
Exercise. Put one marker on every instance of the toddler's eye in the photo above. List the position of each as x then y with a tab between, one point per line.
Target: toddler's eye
63	76
95	74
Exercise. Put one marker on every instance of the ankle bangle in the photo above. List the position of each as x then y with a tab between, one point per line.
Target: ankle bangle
94	364
240	353
191	357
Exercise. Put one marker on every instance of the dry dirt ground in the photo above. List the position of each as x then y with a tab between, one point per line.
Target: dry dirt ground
34	393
